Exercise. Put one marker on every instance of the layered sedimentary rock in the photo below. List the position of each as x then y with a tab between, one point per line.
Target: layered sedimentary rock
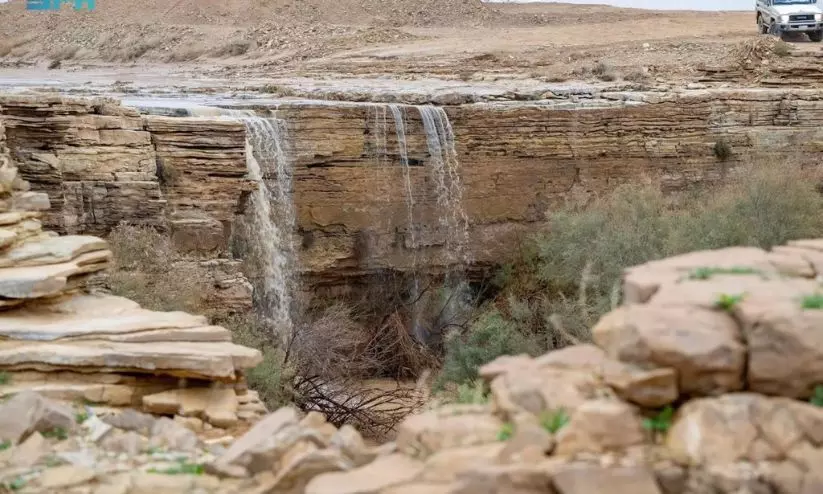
65	343
202	169
517	161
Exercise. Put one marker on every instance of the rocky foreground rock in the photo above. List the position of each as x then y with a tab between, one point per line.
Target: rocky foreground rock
709	379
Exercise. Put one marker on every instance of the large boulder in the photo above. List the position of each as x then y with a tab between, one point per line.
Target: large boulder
704	346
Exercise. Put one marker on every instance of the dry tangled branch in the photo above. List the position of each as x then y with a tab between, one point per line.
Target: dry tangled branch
374	411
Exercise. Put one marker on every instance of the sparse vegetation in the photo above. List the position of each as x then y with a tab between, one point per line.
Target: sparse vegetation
604	72
6	444
722	150
782	49
81	417
183	468
813	302
5	378
58	433
817	396
555	420
506	432
661	422
148	272
167	173
489	337
232	49
705	273
474	393
561	283
728	303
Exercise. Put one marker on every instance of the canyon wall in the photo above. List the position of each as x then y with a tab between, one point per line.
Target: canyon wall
102	163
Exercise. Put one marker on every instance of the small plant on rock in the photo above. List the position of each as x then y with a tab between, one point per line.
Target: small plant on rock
817	396
473	393
5	378
81	417
728	302
722	150
705	273
661	422
506	432
813	302
555	420
58	433
183	468
14	485
5	445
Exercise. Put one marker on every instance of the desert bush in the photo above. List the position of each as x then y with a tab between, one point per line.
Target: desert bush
146	271
565	279
487	338
232	49
722	150
604	71
185	53
167	174
274	377
767	205
64	53
781	48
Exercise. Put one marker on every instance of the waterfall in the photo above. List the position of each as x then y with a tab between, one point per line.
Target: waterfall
445	171
446	176
270	222
399	116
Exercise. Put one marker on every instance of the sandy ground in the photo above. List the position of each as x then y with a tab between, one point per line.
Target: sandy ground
235	41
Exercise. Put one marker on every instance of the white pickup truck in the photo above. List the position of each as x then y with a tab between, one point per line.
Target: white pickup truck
781	17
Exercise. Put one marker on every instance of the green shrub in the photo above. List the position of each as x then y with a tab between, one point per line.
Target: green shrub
728	302
473	393
554	421
704	273
487	338
563	280
817	396
722	150
813	302
506	432
660	422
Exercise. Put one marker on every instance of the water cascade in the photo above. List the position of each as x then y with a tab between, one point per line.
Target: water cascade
399	116
271	219
455	303
446	175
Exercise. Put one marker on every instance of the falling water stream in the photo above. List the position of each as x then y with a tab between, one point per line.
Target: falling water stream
271	220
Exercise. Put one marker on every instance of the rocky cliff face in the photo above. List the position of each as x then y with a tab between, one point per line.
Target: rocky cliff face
66	343
101	163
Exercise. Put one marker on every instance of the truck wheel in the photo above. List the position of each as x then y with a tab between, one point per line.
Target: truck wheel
762	27
816	36
775	30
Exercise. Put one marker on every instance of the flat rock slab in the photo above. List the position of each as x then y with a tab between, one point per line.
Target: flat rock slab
53	250
212	361
105	318
47	281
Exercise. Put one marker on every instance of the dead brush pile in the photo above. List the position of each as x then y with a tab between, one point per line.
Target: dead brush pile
756	53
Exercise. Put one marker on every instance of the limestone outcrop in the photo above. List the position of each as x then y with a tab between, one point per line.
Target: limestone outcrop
673	397
102	163
64	343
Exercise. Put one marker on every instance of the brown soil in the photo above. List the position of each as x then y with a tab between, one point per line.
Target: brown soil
451	39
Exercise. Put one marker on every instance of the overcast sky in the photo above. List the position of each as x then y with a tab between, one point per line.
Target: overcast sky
673	4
